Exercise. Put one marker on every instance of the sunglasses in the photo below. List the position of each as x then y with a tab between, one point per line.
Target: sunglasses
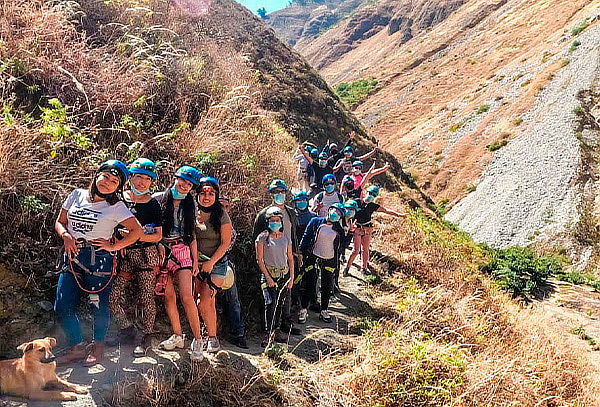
329	183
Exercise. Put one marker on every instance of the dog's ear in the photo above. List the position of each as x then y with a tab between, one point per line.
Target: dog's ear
51	341
25	347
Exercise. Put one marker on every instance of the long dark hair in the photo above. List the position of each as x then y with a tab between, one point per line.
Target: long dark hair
189	214
215	210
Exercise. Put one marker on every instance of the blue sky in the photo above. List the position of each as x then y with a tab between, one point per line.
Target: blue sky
269	5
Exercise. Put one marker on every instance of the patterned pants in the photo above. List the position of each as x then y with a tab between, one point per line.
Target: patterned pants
140	265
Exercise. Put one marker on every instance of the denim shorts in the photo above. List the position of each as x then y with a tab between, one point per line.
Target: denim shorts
220	268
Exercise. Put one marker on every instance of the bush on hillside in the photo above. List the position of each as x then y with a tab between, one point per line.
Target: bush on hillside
355	92
520	270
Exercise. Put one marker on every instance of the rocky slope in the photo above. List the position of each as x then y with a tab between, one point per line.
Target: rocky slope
476	85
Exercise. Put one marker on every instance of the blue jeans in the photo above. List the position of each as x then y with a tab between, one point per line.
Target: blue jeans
233	310
68	294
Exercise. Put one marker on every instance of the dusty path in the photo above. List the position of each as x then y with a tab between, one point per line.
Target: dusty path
318	338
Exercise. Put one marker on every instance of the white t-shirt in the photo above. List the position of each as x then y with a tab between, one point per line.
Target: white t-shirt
302	161
87	220
327	200
323	247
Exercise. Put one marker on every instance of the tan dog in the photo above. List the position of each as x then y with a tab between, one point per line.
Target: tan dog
30	374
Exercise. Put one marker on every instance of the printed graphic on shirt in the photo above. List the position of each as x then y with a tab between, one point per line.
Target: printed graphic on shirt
83	220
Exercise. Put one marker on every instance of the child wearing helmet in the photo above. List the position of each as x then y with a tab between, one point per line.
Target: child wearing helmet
327	197
304	215
343	166
213	234
364	227
321	246
86	224
180	256
276	263
141	260
320	168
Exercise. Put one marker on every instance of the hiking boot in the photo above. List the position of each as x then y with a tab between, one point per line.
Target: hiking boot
324	316
213	345
302	316
290	329
240	342
95	354
74	354
196	348
125	336
174	341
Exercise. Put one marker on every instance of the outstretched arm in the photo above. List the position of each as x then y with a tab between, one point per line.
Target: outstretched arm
305	153
393	213
368	155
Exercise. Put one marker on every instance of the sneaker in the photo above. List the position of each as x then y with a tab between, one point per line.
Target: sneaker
141	341
346	272
240	342
324	316
174	341
365	271
213	345
302	316
196	348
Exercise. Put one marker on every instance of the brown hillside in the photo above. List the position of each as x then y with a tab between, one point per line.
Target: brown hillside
496	53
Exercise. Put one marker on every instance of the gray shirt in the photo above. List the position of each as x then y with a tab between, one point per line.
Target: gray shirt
275	250
323	247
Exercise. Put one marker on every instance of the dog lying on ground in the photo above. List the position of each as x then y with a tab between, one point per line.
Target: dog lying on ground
30	374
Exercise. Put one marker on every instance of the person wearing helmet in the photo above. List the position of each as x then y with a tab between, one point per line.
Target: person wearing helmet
321	246
348	190
327	197
314	154
304	215
141	260
343	166
86	223
350	209
276	262
213	234
302	178
364	227
180	257
361	179
320	168
334	152
230	297
278	190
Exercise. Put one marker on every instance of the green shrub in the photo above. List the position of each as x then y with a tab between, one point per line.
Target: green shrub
579	29
578	110
205	161
497	145
355	92
574	45
56	124
471	188
483	109
520	271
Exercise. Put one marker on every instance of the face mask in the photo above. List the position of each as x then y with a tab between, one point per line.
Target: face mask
177	194
275	226
350	213
334	216
138	192
302	205
329	188
279	198
323	163
356	171
369	198
348	154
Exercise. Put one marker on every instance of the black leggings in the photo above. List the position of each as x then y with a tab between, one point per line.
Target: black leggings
327	269
277	304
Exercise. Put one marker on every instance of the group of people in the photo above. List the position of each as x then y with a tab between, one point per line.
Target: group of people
116	232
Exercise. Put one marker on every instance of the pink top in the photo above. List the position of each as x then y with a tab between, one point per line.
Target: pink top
357	179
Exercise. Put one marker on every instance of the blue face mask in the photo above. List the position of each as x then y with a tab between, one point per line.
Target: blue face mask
275	226
177	194
302	205
329	188
334	216
138	192
369	198
350	213
279	198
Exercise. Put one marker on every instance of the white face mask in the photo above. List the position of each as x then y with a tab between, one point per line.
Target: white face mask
323	163
356	171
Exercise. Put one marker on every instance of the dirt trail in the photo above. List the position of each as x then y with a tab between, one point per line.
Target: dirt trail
318	338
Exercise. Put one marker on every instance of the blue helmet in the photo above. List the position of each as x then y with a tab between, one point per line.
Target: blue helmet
348	182
358	163
189	173
314	153
339	207
373	190
143	166
299	196
323	156
328	177
116	168
277	183
348	149
351	204
209	180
